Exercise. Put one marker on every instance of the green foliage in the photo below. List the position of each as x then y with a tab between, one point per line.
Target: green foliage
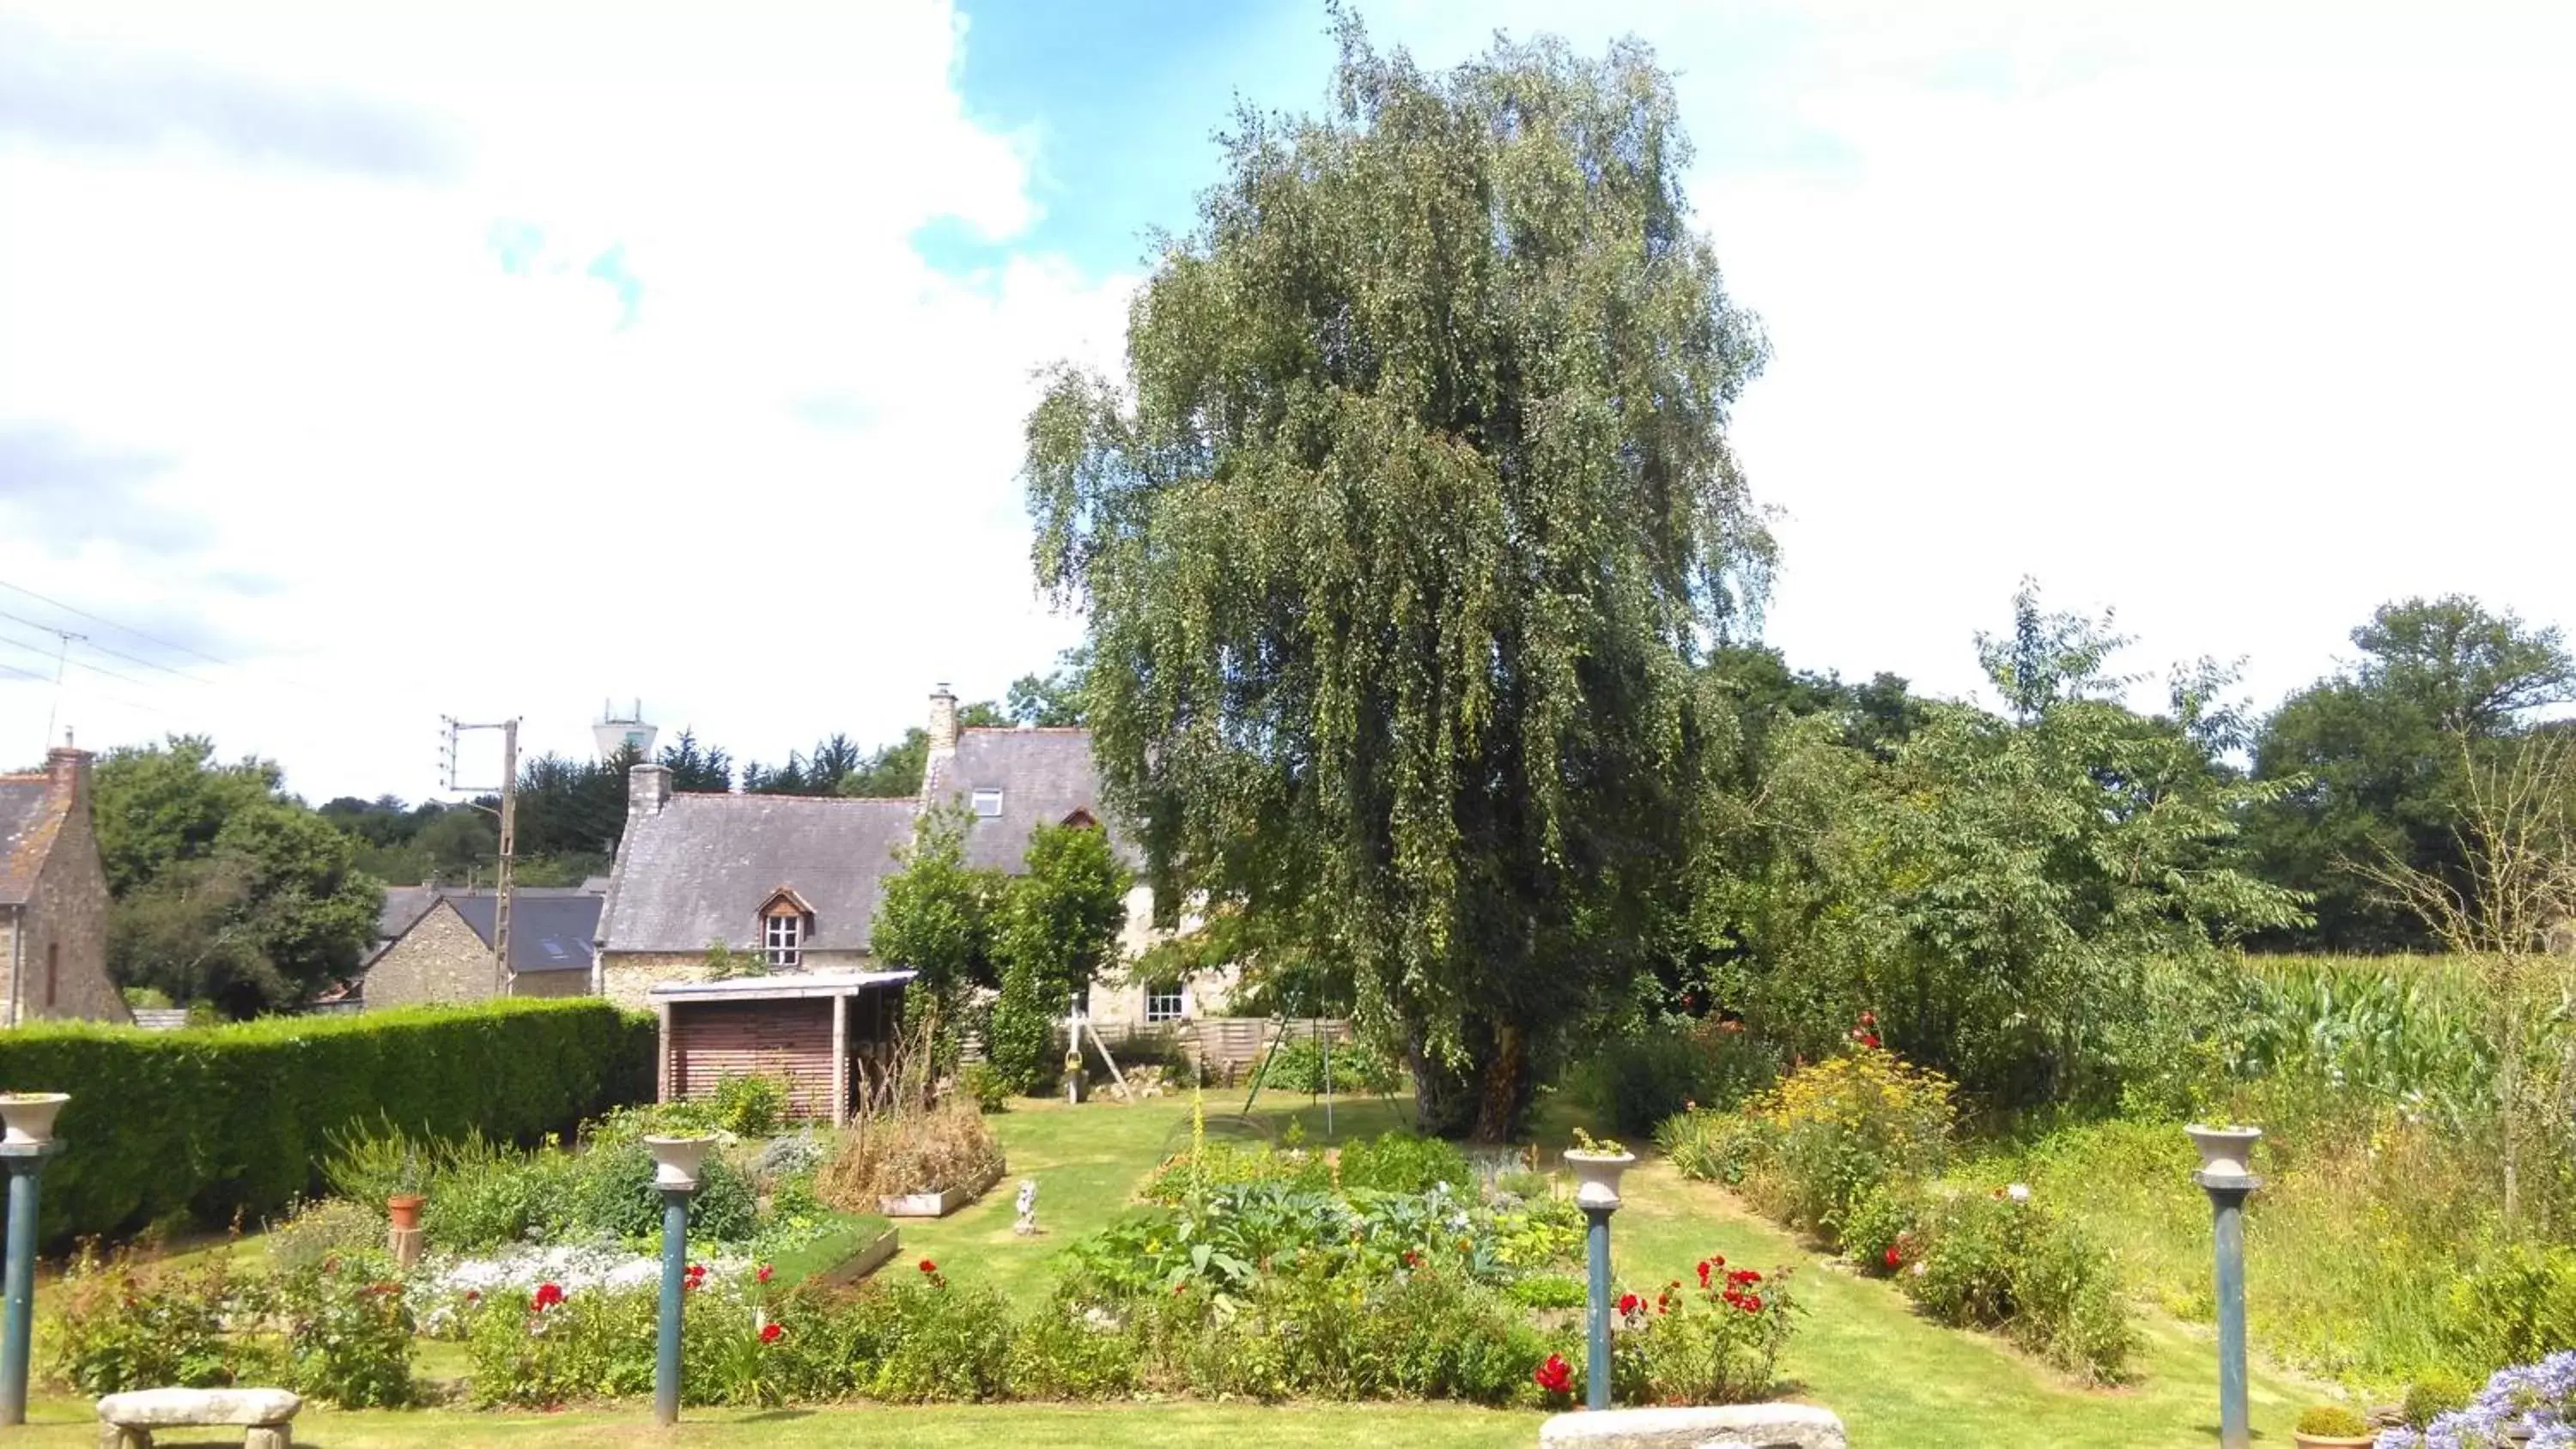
1052	700
1397	543
1714	1342
935	1343
1403	1162
1298	1066
726	963
1832	1132
349	1331
611	1191
1019	1041
2333	1421
1984	1260
2516	1307
1054	928
751	1105
238	1118
1713	1146
1059	1353
331	1227
1549	1291
1639	1081
588	1345
2438	1391
984	1086
225	887
2401	1030
932	913
2374	764
122	1323
1219	1163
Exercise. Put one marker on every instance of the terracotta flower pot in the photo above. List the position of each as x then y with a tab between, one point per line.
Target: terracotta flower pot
404	1209
2313	1441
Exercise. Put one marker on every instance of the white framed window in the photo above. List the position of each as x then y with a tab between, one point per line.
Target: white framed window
988	804
1163	1003
783	940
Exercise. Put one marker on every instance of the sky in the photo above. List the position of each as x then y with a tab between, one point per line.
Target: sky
363	364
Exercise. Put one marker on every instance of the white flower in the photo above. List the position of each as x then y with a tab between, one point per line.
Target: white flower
2018	1192
1918	1268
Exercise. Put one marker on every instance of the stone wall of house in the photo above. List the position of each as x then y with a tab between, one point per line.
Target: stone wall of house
550	983
439	960
63	953
628	977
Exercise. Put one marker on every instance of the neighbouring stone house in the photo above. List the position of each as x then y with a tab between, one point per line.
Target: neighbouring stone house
53	898
444	953
793	882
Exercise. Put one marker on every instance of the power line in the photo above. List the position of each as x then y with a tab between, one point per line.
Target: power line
111	623
98	648
75	663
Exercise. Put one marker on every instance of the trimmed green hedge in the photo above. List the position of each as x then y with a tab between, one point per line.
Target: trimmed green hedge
225	1119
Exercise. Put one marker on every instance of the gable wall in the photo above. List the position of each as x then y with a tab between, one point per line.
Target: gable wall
439	960
67	912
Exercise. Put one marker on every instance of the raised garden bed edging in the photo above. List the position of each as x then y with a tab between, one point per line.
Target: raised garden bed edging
1753	1426
861	1263
937	1204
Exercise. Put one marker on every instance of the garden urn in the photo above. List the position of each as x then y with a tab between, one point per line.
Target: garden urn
676	1161
1596	1177
2225	1152
29	1117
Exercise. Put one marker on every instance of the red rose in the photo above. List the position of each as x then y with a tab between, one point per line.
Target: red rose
1869	1018
1704	1271
1628	1303
1718	1258
548	1295
1554	1376
1752	1277
1894	1257
1753	1303
765	1271
928	1266
1870	1040
771	1333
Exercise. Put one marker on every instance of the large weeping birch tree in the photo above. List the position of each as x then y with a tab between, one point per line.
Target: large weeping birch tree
1402	537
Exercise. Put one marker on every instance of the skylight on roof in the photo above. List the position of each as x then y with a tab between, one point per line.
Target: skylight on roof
988	804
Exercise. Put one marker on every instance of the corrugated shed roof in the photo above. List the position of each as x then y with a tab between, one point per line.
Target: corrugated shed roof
29	821
701	869
548	932
1044	775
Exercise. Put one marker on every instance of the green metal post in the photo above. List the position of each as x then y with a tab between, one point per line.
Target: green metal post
1596	1363
18	1281
675	1267
2227	1204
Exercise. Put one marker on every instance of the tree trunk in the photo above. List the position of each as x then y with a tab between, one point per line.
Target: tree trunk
1486	1100
1506	1087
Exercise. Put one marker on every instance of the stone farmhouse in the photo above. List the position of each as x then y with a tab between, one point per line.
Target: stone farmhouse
53	898
440	945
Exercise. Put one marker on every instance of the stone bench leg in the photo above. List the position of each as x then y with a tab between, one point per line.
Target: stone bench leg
112	1437
269	1436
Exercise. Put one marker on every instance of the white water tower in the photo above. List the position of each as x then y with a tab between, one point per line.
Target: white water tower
616	731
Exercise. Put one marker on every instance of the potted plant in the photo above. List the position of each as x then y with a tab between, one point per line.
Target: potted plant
403	1204
1596	1167
2332	1426
29	1117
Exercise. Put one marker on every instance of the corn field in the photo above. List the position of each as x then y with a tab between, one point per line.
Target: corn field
2409	1030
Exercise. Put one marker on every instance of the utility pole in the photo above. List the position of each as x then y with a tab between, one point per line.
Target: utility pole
509	813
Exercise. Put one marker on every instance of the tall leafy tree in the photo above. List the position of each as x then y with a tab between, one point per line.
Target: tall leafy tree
1053	699
2375	757
1401	540
225	888
1055	929
934	917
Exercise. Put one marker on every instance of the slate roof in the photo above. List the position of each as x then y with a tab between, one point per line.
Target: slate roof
700	869
404	905
551	931
1044	775
29	820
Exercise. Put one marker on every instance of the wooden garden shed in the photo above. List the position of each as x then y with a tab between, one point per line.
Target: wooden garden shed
827	1033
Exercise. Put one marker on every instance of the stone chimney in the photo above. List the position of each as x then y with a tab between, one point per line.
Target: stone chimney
943	721
67	772
648	789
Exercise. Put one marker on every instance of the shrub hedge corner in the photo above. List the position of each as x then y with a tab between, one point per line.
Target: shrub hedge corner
231	1119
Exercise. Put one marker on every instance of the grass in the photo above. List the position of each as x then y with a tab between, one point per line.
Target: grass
1895	1378
845	1235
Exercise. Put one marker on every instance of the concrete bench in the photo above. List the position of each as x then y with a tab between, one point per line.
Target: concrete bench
1732	1426
126	1421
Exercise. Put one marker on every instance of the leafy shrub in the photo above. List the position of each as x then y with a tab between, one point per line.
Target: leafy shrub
985	1086
2436	1392
1984	1260
1403	1162
1716	1146
1537	1233
1716	1341
1640	1080
750	1106
2515	1306
609	1191
227	1119
2538	1398
937	1149
1549	1290
122	1323
931	1342
2332	1421
793	1157
314	1231
478	1200
562	1347
1064	1351
1216	1163
348	1332
1839	1128
1298	1066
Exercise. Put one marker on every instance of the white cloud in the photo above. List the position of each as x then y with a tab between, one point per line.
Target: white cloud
484	488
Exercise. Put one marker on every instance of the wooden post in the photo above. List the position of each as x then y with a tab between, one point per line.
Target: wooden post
840	1060
662	1072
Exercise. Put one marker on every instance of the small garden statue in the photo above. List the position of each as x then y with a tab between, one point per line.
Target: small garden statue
1027	1226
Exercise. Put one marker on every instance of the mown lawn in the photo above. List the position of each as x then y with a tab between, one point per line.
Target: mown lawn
1897	1380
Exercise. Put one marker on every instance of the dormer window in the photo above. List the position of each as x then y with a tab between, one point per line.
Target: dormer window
988	804
786	924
